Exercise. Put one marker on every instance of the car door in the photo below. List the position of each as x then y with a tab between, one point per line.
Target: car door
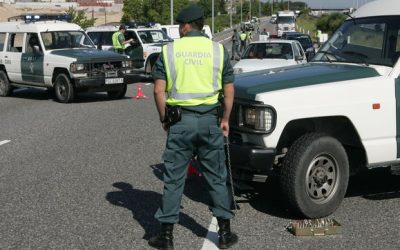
11	57
135	49
32	60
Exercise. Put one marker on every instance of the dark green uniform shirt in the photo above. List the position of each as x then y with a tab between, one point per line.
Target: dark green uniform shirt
227	72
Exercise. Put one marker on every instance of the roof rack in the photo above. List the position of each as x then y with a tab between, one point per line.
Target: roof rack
33	17
141	24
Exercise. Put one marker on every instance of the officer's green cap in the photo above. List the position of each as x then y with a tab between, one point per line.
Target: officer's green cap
190	14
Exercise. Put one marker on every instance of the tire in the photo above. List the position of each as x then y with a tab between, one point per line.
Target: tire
5	87
315	175
119	94
64	91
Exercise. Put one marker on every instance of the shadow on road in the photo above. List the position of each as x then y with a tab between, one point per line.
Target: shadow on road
143	205
376	184
42	95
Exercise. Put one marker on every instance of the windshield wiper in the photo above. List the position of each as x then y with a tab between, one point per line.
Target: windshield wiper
326	53
358	55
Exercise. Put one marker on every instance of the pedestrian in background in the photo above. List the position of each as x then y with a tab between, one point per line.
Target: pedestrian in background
235	44
118	40
193	71
243	38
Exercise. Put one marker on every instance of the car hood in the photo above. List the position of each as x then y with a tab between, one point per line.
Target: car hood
248	85
88	55
248	65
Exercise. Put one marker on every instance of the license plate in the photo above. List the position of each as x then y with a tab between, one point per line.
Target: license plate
114	80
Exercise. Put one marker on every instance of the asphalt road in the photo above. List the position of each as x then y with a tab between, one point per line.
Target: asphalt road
86	175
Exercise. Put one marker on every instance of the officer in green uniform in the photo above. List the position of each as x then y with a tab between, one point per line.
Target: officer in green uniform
193	71
118	40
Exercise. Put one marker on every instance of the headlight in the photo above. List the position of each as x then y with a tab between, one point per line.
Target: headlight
258	118
254	118
126	64
237	70
77	67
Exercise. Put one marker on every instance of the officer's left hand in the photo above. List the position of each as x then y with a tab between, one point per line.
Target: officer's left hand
225	127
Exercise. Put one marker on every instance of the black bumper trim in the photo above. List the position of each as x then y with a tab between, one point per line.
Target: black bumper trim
249	162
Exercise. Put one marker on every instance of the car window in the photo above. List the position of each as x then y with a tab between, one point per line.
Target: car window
32	42
15	41
367	41
296	51
268	51
131	34
107	38
65	40
2	40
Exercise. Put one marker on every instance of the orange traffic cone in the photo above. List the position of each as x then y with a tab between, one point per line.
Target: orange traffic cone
139	93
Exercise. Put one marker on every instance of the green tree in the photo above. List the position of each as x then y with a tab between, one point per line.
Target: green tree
133	10
328	23
79	17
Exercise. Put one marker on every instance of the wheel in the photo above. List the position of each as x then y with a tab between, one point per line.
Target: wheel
5	87
119	94
63	89
314	175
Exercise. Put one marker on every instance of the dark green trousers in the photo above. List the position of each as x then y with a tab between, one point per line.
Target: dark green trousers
199	134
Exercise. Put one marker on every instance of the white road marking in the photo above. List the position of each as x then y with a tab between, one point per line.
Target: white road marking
4	142
211	240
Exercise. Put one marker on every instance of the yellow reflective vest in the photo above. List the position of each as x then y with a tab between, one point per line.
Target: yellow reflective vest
115	40
193	67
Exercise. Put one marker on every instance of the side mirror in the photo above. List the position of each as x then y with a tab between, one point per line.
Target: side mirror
99	46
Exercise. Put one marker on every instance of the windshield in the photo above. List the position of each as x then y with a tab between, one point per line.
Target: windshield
366	41
268	51
66	40
285	19
153	36
305	41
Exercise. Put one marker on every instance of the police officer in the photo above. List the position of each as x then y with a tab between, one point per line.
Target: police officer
243	38
118	40
193	70
235	44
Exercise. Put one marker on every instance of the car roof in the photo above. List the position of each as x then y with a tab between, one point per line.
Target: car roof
378	8
274	41
38	26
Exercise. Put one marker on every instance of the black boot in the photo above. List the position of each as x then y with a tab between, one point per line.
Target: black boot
226	237
163	241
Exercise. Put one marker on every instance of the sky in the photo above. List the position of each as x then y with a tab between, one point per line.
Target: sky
329	4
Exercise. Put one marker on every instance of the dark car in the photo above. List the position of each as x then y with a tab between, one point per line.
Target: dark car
305	41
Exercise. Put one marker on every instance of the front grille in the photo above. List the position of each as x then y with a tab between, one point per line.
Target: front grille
108	69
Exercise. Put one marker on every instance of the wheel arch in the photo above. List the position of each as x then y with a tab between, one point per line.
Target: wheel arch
339	127
58	71
151	59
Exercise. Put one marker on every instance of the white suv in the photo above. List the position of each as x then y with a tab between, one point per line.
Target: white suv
60	56
147	41
315	124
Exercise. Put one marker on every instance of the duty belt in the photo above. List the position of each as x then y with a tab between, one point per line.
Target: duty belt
213	111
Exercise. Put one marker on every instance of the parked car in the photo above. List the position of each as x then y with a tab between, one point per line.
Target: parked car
148	42
58	56
305	41
314	125
270	54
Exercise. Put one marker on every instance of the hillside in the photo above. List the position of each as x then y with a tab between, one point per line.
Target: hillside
7	11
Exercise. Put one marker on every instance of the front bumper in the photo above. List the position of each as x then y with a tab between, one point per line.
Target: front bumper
250	162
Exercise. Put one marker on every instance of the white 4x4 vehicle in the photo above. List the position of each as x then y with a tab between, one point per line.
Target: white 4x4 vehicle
60	56
149	40
315	124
